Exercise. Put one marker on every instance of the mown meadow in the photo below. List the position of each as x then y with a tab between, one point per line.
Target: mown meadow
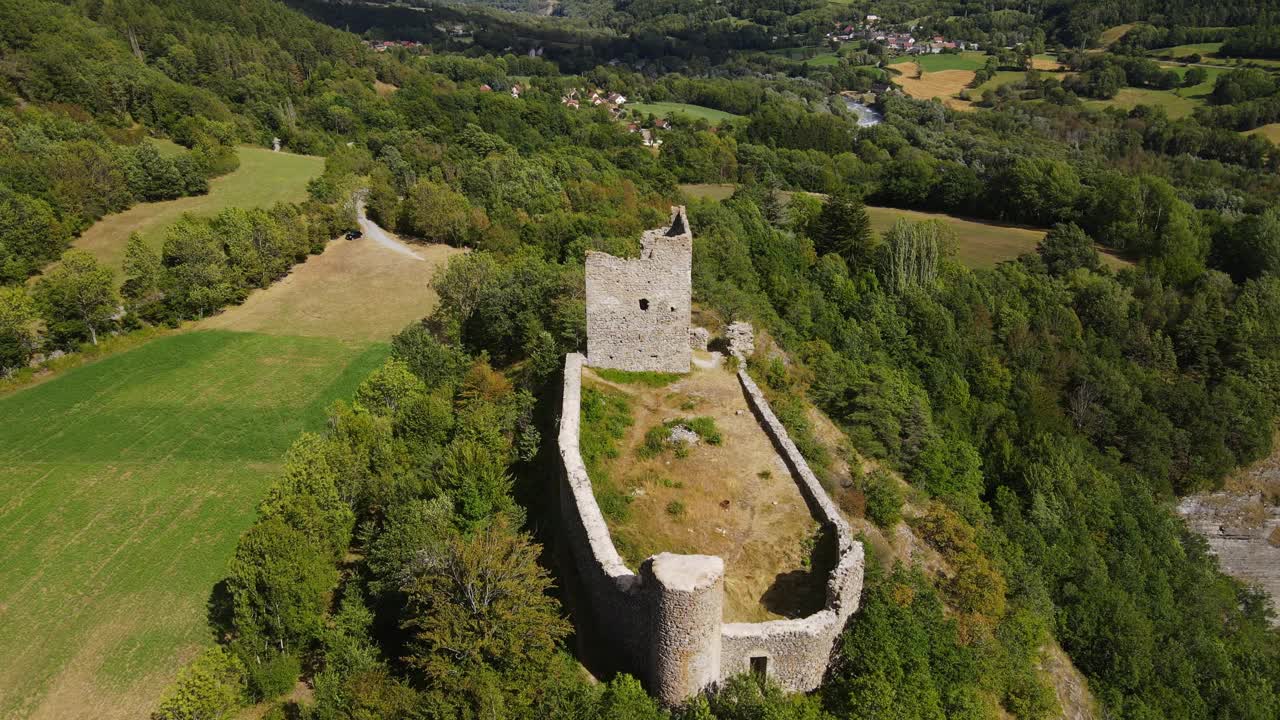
126	484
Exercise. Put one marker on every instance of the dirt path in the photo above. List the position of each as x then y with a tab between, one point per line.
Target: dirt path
382	237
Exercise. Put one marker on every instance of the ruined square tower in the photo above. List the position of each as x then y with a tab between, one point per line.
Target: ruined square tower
638	309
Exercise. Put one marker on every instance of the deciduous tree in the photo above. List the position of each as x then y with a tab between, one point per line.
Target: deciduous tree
78	296
19	328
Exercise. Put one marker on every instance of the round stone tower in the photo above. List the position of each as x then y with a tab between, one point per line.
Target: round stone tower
688	602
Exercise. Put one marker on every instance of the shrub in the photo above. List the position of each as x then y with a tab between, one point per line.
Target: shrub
675	508
657	438
273	677
884	499
210	688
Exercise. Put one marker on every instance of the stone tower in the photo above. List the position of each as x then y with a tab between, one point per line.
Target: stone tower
688	601
638	308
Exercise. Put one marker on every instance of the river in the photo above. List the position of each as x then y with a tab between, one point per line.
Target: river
867	115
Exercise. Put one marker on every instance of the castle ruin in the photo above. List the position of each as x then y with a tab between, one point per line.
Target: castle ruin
664	621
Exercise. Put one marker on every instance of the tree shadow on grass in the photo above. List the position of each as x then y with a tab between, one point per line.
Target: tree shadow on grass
218	611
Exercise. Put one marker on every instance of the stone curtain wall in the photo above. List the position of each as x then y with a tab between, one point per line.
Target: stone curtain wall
798	651
666	623
638	309
615	606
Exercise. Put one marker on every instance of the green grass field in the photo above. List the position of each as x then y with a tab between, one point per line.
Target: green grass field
1178	103
1003	77
263	179
1203	49
125	485
664	109
167	148
1209	54
978	244
944	61
1175	104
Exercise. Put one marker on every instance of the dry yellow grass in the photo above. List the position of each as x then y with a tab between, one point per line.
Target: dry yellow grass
354	290
761	533
1270	132
384	89
941	84
1045	64
1112	35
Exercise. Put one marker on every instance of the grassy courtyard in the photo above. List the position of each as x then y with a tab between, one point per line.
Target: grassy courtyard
127	482
264	178
730	495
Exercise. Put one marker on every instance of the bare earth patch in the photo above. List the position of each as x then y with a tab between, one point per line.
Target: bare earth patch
739	502
354	290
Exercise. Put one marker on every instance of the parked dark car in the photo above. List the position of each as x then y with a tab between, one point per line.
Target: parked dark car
353	235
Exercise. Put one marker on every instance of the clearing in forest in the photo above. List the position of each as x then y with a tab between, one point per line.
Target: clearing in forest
733	498
263	179
1176	103
979	244
355	290
125	486
944	84
666	109
1112	35
1270	132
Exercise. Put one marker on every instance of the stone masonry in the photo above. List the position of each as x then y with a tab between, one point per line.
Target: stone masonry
664	624
638	309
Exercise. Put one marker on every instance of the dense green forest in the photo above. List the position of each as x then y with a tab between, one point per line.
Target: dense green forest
1043	413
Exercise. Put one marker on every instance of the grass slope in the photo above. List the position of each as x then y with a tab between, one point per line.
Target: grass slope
978	244
1176	105
123	487
942	61
354	290
663	109
1112	35
263	179
1270	132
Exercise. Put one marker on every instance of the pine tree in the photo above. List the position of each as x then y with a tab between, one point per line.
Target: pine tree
844	228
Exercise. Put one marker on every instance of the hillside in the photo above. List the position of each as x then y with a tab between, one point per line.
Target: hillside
263	179
126	485
273	467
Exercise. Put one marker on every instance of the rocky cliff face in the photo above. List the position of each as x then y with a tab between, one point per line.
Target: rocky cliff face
1243	527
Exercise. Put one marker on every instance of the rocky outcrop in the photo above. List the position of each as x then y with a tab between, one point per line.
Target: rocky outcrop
1243	530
